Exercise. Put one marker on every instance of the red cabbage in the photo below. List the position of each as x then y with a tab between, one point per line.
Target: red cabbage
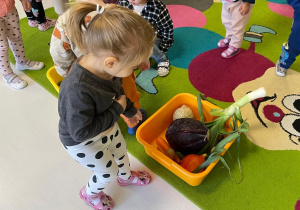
187	135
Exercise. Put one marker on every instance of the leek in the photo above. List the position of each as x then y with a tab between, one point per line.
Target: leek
216	127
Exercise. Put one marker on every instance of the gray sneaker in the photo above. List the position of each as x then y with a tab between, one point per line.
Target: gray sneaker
279	70
30	65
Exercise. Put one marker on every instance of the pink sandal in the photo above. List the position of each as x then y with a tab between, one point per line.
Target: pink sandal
140	178
230	52
224	42
106	202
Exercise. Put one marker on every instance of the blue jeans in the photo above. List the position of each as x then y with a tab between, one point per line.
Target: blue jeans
288	56
158	54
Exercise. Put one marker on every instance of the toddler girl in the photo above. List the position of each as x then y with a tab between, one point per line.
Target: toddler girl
10	31
91	98
235	16
64	52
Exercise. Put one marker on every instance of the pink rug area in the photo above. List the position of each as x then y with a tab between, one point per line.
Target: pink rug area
217	77
185	16
282	9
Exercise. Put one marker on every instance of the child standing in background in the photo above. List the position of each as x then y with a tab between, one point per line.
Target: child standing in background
64	52
37	17
235	16
91	98
291	49
157	14
10	35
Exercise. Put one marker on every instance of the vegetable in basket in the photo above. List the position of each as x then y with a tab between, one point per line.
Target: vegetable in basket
183	112
216	127
187	135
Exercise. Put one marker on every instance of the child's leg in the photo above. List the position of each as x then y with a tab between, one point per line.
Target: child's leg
16	43
226	19
163	64
238	23
107	157
38	12
10	22
288	57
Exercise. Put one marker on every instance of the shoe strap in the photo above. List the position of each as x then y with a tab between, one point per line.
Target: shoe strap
165	64
12	78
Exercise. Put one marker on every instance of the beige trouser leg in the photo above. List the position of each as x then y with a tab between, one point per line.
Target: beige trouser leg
234	22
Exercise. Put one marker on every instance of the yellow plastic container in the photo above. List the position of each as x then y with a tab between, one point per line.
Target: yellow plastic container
54	78
157	125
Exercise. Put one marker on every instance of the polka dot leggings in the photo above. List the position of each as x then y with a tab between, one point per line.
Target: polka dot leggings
106	156
10	35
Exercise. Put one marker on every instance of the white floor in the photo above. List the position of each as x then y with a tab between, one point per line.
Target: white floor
37	174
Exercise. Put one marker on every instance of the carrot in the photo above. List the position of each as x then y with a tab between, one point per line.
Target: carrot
162	144
160	141
159	148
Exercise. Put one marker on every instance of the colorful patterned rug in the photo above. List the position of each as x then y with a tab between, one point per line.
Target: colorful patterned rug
269	153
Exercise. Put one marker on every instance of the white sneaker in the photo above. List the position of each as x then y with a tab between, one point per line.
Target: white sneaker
163	68
30	65
15	81
279	70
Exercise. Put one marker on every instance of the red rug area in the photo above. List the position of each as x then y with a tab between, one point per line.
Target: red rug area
217	77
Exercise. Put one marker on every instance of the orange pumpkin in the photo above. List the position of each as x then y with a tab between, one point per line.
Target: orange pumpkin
192	161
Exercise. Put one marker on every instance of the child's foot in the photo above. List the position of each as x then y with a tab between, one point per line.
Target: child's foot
132	131
230	52
49	23
280	71
30	65
32	23
140	178
224	42
15	81
163	68
98	201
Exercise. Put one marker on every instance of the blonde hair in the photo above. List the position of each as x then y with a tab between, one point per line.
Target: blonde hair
127	35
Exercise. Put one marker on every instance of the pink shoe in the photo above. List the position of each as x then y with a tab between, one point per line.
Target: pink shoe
49	23
140	178
106	202
224	42
230	52
32	23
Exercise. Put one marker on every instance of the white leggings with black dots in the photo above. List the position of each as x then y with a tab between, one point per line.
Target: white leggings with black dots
10	35
106	156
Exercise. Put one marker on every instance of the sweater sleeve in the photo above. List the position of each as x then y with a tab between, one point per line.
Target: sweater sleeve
77	112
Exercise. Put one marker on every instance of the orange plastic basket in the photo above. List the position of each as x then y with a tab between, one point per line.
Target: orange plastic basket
157	125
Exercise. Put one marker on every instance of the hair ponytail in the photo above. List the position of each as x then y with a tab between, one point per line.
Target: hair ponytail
77	22
117	29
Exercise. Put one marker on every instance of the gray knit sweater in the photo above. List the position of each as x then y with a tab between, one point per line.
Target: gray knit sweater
86	106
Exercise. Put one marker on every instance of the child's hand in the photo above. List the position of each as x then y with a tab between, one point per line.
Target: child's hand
26	5
136	118
244	9
122	101
145	65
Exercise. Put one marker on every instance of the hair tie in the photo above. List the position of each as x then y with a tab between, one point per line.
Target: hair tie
100	11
